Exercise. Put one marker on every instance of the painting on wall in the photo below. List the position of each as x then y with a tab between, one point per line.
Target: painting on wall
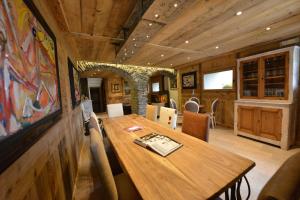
189	80
116	88
173	83
74	84
29	81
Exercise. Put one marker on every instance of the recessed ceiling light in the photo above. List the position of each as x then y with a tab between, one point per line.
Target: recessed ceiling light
135	45
148	63
147	36
125	54
268	28
132	52
156	15
133	39
175	5
171	64
125	49
186	41
150	24
239	13
162	55
217	47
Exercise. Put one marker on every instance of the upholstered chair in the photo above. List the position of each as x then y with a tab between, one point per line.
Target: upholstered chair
191	106
115	110
168	117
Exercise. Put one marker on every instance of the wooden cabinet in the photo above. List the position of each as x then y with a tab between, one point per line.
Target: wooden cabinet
268	85
259	121
265	77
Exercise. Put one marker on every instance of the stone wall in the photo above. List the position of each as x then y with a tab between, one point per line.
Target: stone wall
137	76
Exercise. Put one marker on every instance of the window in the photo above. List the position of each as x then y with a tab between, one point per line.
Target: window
155	87
218	80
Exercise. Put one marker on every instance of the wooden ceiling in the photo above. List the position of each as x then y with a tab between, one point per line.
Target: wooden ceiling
205	24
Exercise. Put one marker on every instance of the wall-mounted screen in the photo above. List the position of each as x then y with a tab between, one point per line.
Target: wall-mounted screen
218	80
155	87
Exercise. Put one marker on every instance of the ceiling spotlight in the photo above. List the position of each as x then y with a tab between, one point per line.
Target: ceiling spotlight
132	52
217	47
133	39
239	13
148	36
156	15
125	49
175	5
135	45
150	24
186	41
171	64
162	55
125	54
268	28
148	63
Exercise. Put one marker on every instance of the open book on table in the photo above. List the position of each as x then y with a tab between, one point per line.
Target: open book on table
161	144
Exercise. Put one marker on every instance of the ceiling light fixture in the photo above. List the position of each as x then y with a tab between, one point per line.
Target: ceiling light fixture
186	41
268	28
132	52
171	64
162	55
175	5
148	36
135	45
150	24
148	63
217	47
133	39
239	13
156	16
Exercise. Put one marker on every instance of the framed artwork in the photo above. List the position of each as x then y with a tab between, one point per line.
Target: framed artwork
189	80
115	88
74	84
30	99
173	83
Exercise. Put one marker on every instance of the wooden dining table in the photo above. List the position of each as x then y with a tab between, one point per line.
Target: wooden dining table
197	170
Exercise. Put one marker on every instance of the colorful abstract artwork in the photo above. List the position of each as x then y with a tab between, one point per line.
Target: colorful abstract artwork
29	84
74	84
189	80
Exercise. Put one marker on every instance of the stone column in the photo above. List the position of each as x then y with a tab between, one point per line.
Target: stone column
142	97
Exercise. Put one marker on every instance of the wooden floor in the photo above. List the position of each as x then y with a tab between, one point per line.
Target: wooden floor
267	158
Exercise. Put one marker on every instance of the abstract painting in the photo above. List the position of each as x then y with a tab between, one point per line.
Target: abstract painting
29	84
189	80
74	84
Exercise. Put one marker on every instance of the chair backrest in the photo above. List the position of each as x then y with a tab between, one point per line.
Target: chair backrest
195	99
285	183
191	106
196	124
173	104
103	168
168	117
115	110
214	105
151	112
93	123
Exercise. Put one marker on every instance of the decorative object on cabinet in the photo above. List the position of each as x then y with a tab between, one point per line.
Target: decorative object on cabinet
30	97
267	93
74	84
189	80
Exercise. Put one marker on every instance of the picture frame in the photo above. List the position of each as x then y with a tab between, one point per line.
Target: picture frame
173	83
189	80
35	102
74	84
116	88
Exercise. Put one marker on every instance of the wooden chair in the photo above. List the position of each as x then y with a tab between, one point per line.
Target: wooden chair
113	188
285	183
195	99
151	112
115	110
168	117
191	106
196	124
212	114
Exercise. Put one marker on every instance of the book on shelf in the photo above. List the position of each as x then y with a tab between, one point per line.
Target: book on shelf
160	144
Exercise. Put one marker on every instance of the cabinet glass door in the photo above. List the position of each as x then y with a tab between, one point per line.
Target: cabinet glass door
249	79
275	76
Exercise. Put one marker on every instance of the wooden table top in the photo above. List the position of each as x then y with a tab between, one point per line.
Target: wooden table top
197	170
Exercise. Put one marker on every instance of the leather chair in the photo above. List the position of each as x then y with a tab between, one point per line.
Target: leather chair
196	124
112	187
115	110
285	183
151	112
